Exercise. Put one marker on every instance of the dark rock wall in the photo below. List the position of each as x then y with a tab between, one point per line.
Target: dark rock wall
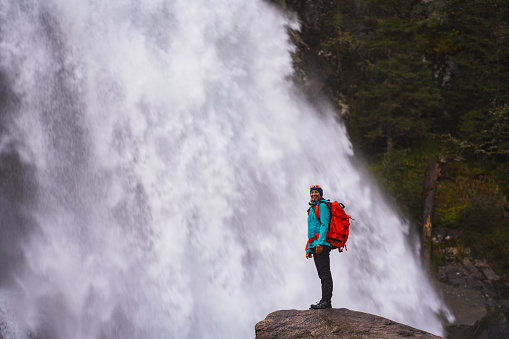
475	294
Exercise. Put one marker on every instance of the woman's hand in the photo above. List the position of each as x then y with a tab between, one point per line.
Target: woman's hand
319	249
309	255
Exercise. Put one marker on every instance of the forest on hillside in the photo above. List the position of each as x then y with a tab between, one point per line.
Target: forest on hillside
428	83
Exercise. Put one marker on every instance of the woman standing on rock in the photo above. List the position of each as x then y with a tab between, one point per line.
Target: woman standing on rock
319	249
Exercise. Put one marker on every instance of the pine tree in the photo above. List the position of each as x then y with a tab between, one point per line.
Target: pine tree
399	101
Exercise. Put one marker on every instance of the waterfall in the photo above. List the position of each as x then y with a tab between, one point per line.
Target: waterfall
155	164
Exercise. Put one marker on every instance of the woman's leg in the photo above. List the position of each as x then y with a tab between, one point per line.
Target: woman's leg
322	263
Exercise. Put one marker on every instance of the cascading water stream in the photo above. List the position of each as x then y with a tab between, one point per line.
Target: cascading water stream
156	162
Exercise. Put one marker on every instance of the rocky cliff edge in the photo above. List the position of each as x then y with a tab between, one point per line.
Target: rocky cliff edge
333	323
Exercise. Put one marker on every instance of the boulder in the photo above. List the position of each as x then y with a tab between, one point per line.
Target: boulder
333	323
469	310
474	294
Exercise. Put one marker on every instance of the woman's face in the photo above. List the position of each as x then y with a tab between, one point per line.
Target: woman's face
314	195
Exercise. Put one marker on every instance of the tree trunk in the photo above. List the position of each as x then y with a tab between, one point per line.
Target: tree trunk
430	185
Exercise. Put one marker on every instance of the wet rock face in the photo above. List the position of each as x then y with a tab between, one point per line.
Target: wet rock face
472	290
309	11
313	72
333	323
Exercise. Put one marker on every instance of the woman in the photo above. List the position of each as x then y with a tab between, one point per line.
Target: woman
318	248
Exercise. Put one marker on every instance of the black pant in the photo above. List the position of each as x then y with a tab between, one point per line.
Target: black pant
322	263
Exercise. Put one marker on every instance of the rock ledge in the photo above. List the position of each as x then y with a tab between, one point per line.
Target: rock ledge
333	323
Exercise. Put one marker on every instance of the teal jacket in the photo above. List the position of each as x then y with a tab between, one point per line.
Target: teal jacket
316	226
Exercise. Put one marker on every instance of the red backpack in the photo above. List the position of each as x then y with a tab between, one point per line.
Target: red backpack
339	224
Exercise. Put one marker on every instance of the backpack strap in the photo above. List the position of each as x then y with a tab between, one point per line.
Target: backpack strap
316	210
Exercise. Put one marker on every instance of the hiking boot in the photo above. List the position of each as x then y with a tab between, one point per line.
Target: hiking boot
321	305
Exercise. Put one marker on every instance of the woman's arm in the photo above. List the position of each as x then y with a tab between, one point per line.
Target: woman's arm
324	222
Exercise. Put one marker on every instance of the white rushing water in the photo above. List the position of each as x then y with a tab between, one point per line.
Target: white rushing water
167	159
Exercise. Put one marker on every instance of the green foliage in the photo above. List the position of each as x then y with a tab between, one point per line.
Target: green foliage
424	85
339	43
399	99
451	198
401	174
478	33
486	240
446	42
427	75
469	200
396	104
494	134
488	133
437	256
